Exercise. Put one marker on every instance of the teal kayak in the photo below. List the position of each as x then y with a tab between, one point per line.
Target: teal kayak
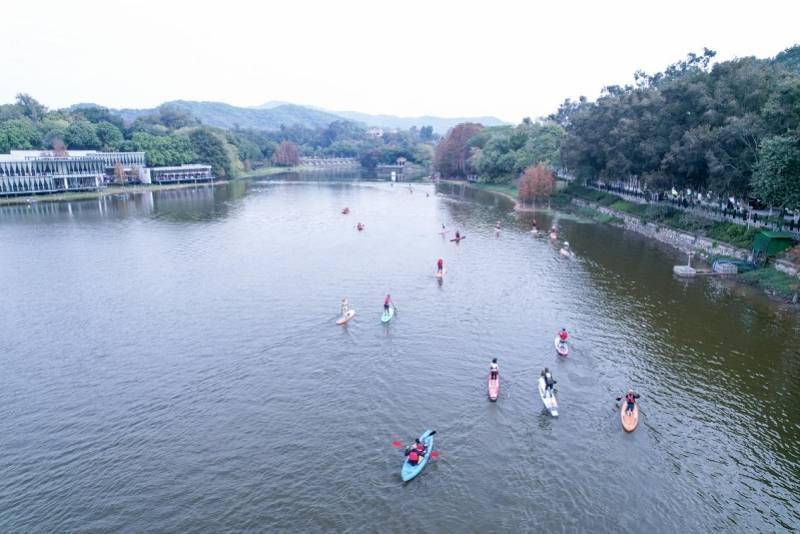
410	471
387	316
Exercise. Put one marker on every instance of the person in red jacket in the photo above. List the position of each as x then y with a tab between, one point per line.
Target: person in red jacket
386	302
562	336
440	265
415	452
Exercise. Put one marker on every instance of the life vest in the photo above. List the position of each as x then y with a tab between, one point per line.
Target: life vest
630	398
563	335
413	456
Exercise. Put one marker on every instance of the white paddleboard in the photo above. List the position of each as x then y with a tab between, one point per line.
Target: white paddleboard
561	348
349	315
549	401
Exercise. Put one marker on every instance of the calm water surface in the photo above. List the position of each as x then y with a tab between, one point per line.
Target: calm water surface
170	363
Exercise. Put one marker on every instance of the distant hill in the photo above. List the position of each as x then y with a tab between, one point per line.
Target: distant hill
272	115
227	116
440	124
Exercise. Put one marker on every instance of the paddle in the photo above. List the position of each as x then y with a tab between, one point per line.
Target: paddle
398	443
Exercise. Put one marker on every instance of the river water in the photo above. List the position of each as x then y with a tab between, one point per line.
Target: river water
170	363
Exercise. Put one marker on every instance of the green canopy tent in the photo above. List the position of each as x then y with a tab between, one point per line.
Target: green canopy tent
769	244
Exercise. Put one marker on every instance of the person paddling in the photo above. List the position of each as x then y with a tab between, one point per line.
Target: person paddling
563	335
387	301
630	399
415	452
440	265
494	369
458	235
549	382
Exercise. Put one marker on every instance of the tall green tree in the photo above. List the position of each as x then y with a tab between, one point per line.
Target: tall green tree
777	176
82	135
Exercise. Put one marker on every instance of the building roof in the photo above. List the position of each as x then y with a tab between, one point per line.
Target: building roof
28	155
185	167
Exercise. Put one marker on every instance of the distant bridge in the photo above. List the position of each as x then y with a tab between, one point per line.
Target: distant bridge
328	162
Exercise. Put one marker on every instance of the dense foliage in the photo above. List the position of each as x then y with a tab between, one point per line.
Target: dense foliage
500	153
453	152
173	136
731	128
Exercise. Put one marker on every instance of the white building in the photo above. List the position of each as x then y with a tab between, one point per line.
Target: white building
30	172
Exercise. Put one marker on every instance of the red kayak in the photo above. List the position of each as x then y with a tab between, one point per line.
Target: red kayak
494	387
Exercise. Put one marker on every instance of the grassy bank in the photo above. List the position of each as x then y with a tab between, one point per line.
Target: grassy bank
773	281
735	234
89	195
269	171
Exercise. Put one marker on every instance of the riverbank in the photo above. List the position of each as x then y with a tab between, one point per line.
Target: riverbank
689	233
107	191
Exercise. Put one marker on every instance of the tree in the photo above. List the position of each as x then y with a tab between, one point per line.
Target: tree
109	135
453	152
30	107
537	182
119	173
286	154
426	133
777	174
82	135
19	134
212	149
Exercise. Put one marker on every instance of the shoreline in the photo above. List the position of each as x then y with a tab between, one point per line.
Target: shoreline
69	196
107	191
679	240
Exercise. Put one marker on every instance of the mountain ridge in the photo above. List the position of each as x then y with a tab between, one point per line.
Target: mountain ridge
272	115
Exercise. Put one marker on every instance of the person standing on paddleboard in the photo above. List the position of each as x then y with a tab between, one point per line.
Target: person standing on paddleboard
386	302
549	382
494	369
630	399
439	265
345	307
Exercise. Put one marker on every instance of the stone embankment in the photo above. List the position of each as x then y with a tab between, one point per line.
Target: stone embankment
700	245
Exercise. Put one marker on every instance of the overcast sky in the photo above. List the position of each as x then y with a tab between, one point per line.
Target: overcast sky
449	58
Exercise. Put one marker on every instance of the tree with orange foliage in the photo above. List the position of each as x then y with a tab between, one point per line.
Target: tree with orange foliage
537	182
286	154
452	152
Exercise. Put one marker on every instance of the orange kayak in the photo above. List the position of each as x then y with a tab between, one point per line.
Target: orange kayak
629	420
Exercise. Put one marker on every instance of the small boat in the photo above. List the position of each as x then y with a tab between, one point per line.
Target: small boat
346	317
408	471
387	315
548	398
359	227
629	420
561	347
494	387
345	211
